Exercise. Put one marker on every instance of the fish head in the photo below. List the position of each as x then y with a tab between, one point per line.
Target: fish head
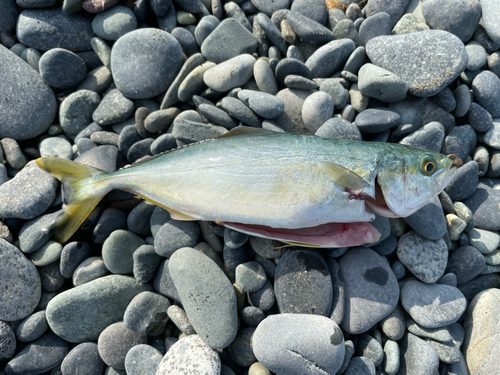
408	180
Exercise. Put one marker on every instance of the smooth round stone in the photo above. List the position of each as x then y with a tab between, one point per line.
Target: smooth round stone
445	99
251	316
269	7
345	29
339	128
62	69
32	327
72	255
21	198
309	30
298	343
291	119
370	348
236	108
263	104
264	77
32	57
56	146
96	80
113	108
12	153
425	258
44	29
146	314
460	141
38	356
32	105
418	356
375	120
482	332
51	277
466	263
186	40
430	137
216	48
118	250
214	319
432	305
375	25
111	219
485	241
457	17
330	58
250	276
492	136
455	226
174	235
217	115
163	143
465	181
477	56
138	219
230	74
394	10
381	84
145	62
316	110
20	284
479	118
99	303
146	261
313	9
432	53
48	253
371	288
115	341
486	90
483	204
114	22
34	233
8	340
265	248
302	283
179	318
360	366
190	355
429	221
491	11
334	88
142	359
288	67
83	359
393	325
193	83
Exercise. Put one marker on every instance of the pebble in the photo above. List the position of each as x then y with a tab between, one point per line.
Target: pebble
88	270
432	305
193	83
264	77
272	33
477	56
72	32
393	325
429	137
175	234
483	240
263	104
316	110
394	10
50	277
490	13
371	287
433	52
190	355
486	90
479	118
251	316
375	120
12	153
215	47
370	348
381	84
290	66
83	358
360	366
309	30
303	284
8	340
115	341
32	327
466	263
457	17
424	258
137	77
146	314
118	250
113	108
111	219
32	104
214	319
492	136
114	22
38	356
483	204
334	88
99	303
465	181
330	58
375	25
96	6
48	253
230	74
163	283
250	276
263	298
146	261
293	343
417	356
55	146
455	226
460	141
179	318
142	359
391	357
236	108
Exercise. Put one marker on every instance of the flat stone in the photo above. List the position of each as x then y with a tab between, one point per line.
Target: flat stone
44	29
90	269
230	74
175	234
425	258
486	90
142	359
481	332
113	108
479	118
114	22
237	109
98	303
484	204
214	319
330	58
299	343
491	12
118	250
395	10
460	141
381	84
485	241
432	305
145	62
216	47
375	120
263	104
466	263
31	105
422	77
371	288
190	355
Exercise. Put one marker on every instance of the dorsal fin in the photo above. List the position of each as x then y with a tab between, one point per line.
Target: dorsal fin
345	177
245	130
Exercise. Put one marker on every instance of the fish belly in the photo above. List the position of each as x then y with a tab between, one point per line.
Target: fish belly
271	186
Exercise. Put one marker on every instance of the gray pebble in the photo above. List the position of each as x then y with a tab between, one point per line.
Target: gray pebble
83	359
179	317
264	77
62	69
429	221
370	348
360	366
417	356
393	325
263	104
486	90
118	250
375	25
298	82
72	255
479	118
114	22
464	183
90	269
381	84
263	298
46	254
174	235
146	262
111	219
251	316
316	110
466	263
32	327
142	359
250	276
146	314
309	30
113	108
429	137
330	58
339	128
163	283
375	120
55	146
236	108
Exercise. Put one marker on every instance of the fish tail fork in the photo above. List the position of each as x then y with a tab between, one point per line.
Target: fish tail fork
87	189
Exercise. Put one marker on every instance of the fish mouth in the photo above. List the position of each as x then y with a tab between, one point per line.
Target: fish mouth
378	204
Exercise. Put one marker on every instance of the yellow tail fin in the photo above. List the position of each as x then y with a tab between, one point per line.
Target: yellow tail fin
87	186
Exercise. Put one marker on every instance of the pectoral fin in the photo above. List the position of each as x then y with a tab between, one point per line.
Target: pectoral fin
348	179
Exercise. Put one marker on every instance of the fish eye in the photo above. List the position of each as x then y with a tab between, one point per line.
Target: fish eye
428	166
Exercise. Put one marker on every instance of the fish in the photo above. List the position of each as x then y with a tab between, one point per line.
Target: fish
302	190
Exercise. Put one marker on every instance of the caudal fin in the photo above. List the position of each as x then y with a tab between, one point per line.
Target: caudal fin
87	189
